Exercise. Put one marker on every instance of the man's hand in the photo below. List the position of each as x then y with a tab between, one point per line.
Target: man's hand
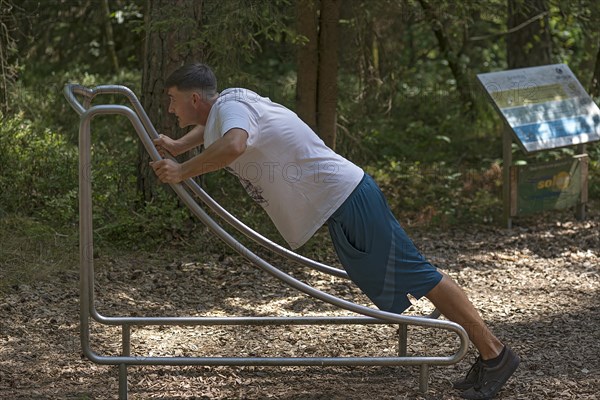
168	171
219	154
165	144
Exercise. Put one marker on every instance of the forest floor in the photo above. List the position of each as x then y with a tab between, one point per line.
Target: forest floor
538	287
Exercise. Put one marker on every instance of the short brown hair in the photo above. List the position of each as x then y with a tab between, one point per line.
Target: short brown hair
196	76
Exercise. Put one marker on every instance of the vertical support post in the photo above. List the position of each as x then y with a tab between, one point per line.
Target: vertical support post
424	378
126	338
580	207
402	340
513	190
506	184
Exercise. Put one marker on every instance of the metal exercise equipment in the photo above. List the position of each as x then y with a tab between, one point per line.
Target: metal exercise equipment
145	130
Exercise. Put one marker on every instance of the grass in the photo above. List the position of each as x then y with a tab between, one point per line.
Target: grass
32	251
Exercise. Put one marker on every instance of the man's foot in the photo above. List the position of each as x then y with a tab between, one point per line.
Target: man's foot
489	380
468	381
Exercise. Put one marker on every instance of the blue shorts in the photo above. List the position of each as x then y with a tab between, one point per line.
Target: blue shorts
376	252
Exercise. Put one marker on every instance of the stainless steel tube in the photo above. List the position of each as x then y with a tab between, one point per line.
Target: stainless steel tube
145	130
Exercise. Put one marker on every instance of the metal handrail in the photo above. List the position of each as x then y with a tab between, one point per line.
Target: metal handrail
140	119
230	240
145	130
89	94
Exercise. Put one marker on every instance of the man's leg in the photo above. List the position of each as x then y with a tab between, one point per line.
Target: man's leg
453	303
496	363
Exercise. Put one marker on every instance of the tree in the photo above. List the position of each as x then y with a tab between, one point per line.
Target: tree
595	86
308	62
451	53
593	38
318	22
166	49
108	31
529	43
7	49
328	70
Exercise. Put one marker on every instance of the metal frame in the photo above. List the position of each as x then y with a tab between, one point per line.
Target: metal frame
145	130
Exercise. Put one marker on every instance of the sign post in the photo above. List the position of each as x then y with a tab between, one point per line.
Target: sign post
506	175
544	108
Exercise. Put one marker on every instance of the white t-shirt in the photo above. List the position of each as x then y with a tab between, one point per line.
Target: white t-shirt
286	168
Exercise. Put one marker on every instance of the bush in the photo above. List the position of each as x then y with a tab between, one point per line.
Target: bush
39	159
32	250
594	171
433	166
439	194
40	180
39	172
40	99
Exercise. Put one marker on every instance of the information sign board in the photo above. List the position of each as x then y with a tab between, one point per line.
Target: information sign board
546	107
550	186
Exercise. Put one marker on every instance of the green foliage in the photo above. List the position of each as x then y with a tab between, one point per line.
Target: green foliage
39	170
119	224
399	109
575	35
439	194
8	52
594	171
264	41
426	127
69	33
40	179
40	99
32	250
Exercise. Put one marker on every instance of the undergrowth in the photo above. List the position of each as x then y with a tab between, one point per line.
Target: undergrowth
32	250
39	198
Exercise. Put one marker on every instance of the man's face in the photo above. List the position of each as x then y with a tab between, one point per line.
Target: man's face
186	106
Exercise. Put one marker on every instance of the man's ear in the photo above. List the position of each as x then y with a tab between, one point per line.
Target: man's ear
196	99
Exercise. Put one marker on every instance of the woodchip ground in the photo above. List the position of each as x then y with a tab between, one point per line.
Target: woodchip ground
538	287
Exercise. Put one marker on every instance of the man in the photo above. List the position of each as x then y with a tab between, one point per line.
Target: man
302	184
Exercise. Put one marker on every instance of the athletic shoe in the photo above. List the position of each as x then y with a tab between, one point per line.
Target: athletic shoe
489	381
469	381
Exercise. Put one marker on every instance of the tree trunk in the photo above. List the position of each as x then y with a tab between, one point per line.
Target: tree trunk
8	46
328	71
316	89
595	86
110	41
308	62
367	58
167	47
459	71
532	44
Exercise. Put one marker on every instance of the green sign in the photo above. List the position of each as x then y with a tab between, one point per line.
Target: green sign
556	185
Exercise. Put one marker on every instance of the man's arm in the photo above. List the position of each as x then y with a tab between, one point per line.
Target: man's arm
218	155
194	138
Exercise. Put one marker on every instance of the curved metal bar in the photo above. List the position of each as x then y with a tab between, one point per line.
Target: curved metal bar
241	249
198	191
143	126
249	255
258	238
204	196
70	90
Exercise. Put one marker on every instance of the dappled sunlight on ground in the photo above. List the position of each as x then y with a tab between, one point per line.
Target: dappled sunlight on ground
537	286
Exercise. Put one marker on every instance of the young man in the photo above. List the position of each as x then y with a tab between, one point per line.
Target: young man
302	184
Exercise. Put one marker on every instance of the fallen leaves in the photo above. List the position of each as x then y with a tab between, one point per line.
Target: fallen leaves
537	286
